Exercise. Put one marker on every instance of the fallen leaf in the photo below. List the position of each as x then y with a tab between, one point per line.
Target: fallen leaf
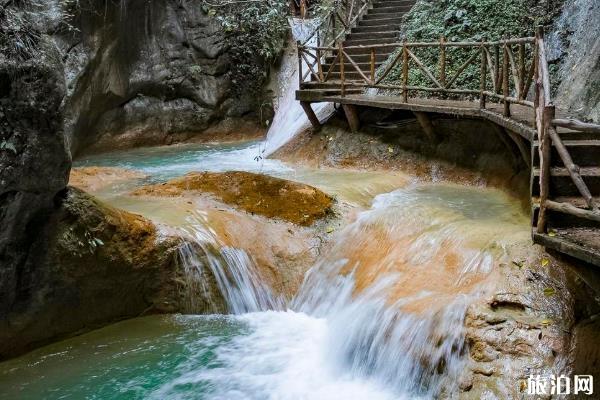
545	262
390	150
549	291
546	322
329	229
551	233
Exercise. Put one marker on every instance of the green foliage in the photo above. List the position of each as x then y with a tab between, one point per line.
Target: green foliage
467	20
255	34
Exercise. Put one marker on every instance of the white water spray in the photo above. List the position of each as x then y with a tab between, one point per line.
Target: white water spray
290	118
236	275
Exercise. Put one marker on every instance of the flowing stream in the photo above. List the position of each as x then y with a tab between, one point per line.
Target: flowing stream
379	316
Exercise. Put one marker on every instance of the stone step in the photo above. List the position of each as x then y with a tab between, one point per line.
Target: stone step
349	75
366	51
562	185
391	11
368	42
382	18
374	28
393	3
365	67
373	35
381	22
364	57
585	153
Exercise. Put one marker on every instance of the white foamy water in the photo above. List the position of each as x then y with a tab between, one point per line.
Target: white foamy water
235	273
380	316
290	118
284	356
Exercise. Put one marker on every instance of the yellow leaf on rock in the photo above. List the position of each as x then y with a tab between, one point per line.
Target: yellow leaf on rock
549	291
545	262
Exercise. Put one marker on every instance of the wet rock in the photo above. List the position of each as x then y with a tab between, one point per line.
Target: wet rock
95	178
95	265
254	193
573	44
138	72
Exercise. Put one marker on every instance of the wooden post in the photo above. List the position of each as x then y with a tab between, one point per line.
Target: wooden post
497	74
352	117
312	117
341	52
299	46
545	154
427	126
404	72
505	92
482	76
442	62
372	65
319	66
522	72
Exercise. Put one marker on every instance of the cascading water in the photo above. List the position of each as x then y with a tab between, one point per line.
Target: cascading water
236	275
382	312
379	316
290	118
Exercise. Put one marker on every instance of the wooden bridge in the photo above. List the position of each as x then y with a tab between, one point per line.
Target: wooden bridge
355	59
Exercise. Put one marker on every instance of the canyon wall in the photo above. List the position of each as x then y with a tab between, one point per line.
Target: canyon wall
574	48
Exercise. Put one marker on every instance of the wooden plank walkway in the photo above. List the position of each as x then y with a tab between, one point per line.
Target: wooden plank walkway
522	120
514	93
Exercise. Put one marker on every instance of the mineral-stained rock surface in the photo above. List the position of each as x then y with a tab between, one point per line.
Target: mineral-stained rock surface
257	194
95	178
94	265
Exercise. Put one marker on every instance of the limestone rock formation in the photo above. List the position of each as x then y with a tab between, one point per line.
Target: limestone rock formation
94	265
138	72
574	43
255	193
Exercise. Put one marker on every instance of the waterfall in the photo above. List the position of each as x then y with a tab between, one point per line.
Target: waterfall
204	260
396	285
290	118
381	312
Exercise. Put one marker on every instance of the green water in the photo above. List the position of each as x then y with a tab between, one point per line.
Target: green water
127	360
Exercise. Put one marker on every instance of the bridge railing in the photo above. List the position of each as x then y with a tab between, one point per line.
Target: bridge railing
333	28
506	69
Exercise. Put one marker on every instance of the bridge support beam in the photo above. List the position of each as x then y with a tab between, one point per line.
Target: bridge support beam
427	126
352	117
312	117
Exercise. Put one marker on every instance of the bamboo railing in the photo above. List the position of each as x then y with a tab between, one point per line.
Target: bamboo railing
511	71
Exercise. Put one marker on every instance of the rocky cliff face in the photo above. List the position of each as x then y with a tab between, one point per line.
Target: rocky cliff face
67	263
574	45
139	72
89	265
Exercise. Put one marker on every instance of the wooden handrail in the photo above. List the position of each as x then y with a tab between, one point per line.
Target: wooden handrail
577	125
511	74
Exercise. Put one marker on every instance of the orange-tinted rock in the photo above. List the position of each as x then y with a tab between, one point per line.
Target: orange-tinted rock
94	178
257	194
